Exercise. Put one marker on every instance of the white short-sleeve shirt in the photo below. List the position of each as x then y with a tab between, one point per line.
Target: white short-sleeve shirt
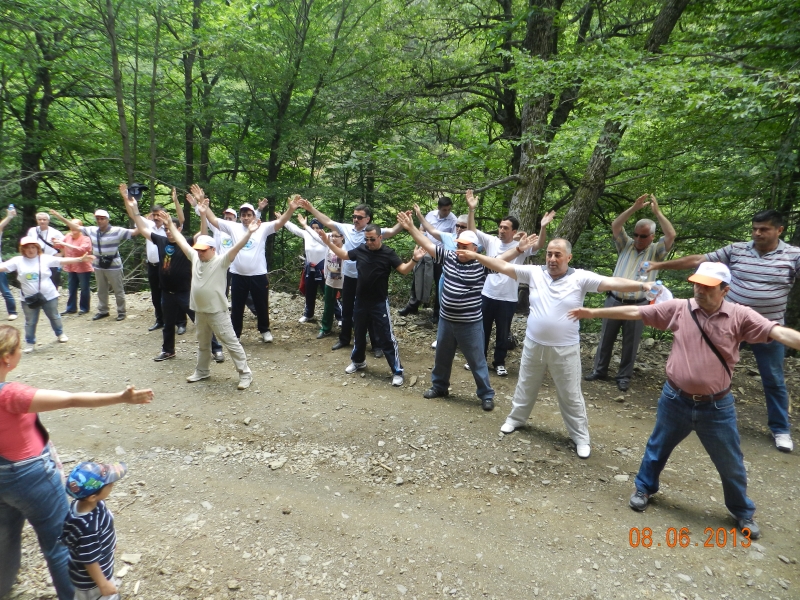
499	286
251	259
29	271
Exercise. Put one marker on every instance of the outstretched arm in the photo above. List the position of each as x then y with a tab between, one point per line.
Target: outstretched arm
178	207
546	220
251	229
404	221
340	252
69	223
472	205
495	264
786	336
45	400
392	231
202	204
325	220
294	203
74	259
620	284
525	242
132	207
622	313
427	227
12	212
678	264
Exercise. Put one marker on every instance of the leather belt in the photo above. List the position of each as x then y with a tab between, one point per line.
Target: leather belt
621	301
699	397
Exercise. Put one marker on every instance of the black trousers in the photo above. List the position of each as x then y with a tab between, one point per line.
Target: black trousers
314	282
501	314
375	315
173	305
155	294
258	288
349	285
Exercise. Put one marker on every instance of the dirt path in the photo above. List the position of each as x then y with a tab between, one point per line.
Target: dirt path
317	484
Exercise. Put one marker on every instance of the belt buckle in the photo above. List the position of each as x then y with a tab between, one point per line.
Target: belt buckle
698	397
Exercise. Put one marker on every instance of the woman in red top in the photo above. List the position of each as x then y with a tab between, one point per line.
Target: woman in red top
31	485
80	274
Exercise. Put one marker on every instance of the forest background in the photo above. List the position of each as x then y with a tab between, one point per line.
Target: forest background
536	104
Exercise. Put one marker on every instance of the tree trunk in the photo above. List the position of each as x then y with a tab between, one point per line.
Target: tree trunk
189	57
152	112
594	179
109	20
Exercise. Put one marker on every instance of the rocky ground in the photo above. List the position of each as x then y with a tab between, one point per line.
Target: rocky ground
315	484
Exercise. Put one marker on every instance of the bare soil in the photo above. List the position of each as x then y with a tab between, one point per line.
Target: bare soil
316	484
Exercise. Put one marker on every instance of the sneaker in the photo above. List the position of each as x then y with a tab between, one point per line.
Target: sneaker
245	379
433	345
377	352
63	338
783	442
487	404
302	320
13	317
583	450
623	385
196	377
267	337
755	530
509	427
339	323
397	380
29	348
639	501
164	356
434	393
467	367
353	367
218	356
501	371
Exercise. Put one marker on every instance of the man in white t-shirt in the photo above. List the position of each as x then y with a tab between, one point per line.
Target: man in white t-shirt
249	268
46	235
499	297
552	340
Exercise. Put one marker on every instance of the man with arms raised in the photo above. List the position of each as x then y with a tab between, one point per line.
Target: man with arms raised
552	341
762	274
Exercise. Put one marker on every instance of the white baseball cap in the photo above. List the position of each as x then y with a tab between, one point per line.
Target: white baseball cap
204	242
247	206
230	210
468	237
711	274
101	213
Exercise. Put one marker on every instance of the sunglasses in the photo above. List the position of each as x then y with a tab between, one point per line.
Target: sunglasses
374	239
642	236
464	246
461	226
358	217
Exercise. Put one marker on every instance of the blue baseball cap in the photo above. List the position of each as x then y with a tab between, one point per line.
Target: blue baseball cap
88	478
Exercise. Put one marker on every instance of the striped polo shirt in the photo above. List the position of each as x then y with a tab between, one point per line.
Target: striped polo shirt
106	243
463	284
90	538
761	282
630	259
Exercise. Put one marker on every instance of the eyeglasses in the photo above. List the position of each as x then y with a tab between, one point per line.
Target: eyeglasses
335	235
359	217
461	226
373	239
642	236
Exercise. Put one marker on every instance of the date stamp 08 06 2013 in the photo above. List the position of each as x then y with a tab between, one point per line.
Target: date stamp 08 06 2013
714	538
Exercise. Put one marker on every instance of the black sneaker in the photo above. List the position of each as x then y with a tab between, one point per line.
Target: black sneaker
595	376
755	531
155	326
639	501
434	393
487	404
623	385
99	316
164	356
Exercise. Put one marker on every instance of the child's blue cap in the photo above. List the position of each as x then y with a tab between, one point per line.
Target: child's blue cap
88	478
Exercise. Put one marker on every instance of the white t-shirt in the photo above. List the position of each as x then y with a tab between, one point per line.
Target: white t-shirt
251	259
48	235
28	270
551	300
150	247
315	250
352	240
497	285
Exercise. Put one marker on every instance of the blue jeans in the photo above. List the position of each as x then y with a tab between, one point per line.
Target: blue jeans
74	281
32	490
469	338
715	425
769	358
50	309
11	305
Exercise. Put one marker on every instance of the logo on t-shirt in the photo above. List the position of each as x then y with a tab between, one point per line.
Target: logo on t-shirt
227	243
169	249
250	243
32	276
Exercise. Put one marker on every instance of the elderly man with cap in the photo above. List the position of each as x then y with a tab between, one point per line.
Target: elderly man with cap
460	320
47	236
249	268
552	341
108	274
697	394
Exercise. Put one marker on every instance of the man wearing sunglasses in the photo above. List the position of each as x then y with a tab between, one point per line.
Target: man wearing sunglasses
632	253
353	238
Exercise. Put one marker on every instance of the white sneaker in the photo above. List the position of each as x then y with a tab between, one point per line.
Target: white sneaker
353	367
501	371
245	379
783	442
196	377
509	426
339	323
302	320
13	317
29	348
583	450
467	367
63	338
267	337
398	380
433	345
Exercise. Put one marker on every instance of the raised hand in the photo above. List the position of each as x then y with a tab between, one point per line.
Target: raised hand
253	227
419	252
191	200
418	212
12	212
472	200
301	219
519	235
579	313
133	396
324	237
304	204
197	192
123	191
641	202
165	219
405	220
262	204
654	205
527	241
548	218
174	195
295	202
